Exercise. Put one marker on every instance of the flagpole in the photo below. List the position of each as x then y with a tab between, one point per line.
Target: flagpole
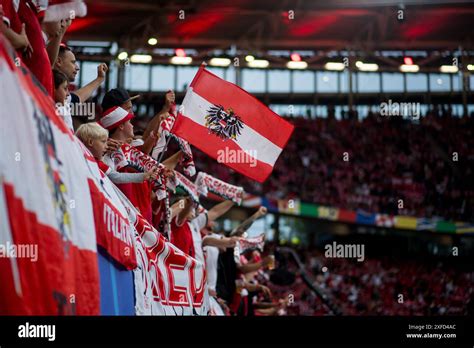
160	157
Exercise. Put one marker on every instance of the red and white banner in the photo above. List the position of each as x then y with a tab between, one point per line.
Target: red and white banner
48	253
167	281
113	230
231	126
56	206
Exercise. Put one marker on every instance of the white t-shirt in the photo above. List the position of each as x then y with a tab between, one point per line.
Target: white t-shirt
65	112
212	256
196	225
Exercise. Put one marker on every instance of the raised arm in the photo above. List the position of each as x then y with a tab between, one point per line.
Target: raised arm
255	266
18	41
85	92
226	242
172	161
154	124
244	226
55	39
150	141
184	212
219	209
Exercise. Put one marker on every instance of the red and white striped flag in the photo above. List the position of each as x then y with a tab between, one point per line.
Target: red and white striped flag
231	126
48	251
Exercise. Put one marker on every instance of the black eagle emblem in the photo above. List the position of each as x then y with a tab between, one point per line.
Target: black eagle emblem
223	123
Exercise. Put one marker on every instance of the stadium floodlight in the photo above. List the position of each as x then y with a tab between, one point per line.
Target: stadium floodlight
141	58
407	68
249	58
258	63
449	69
296	65
366	66
334	66
176	60
470	67
152	41
122	55
219	62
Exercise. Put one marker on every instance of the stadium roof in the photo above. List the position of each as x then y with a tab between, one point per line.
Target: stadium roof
367	25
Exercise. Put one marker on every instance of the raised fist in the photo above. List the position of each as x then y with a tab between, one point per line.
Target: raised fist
102	69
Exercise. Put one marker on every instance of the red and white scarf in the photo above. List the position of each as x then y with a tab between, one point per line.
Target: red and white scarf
252	243
188	186
244	245
207	183
129	156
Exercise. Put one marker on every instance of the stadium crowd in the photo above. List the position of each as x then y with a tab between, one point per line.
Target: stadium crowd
378	286
387	160
371	164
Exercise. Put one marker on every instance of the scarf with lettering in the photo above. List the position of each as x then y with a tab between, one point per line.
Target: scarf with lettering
186	185
207	183
129	156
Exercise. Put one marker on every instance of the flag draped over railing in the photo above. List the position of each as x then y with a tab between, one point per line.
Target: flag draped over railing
45	205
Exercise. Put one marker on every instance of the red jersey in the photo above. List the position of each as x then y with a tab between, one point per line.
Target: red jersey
182	237
142	194
11	15
38	63
139	195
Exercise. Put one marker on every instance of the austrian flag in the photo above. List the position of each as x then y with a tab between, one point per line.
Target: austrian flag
231	126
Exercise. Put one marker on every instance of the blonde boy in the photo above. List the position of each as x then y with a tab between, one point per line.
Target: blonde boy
94	137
